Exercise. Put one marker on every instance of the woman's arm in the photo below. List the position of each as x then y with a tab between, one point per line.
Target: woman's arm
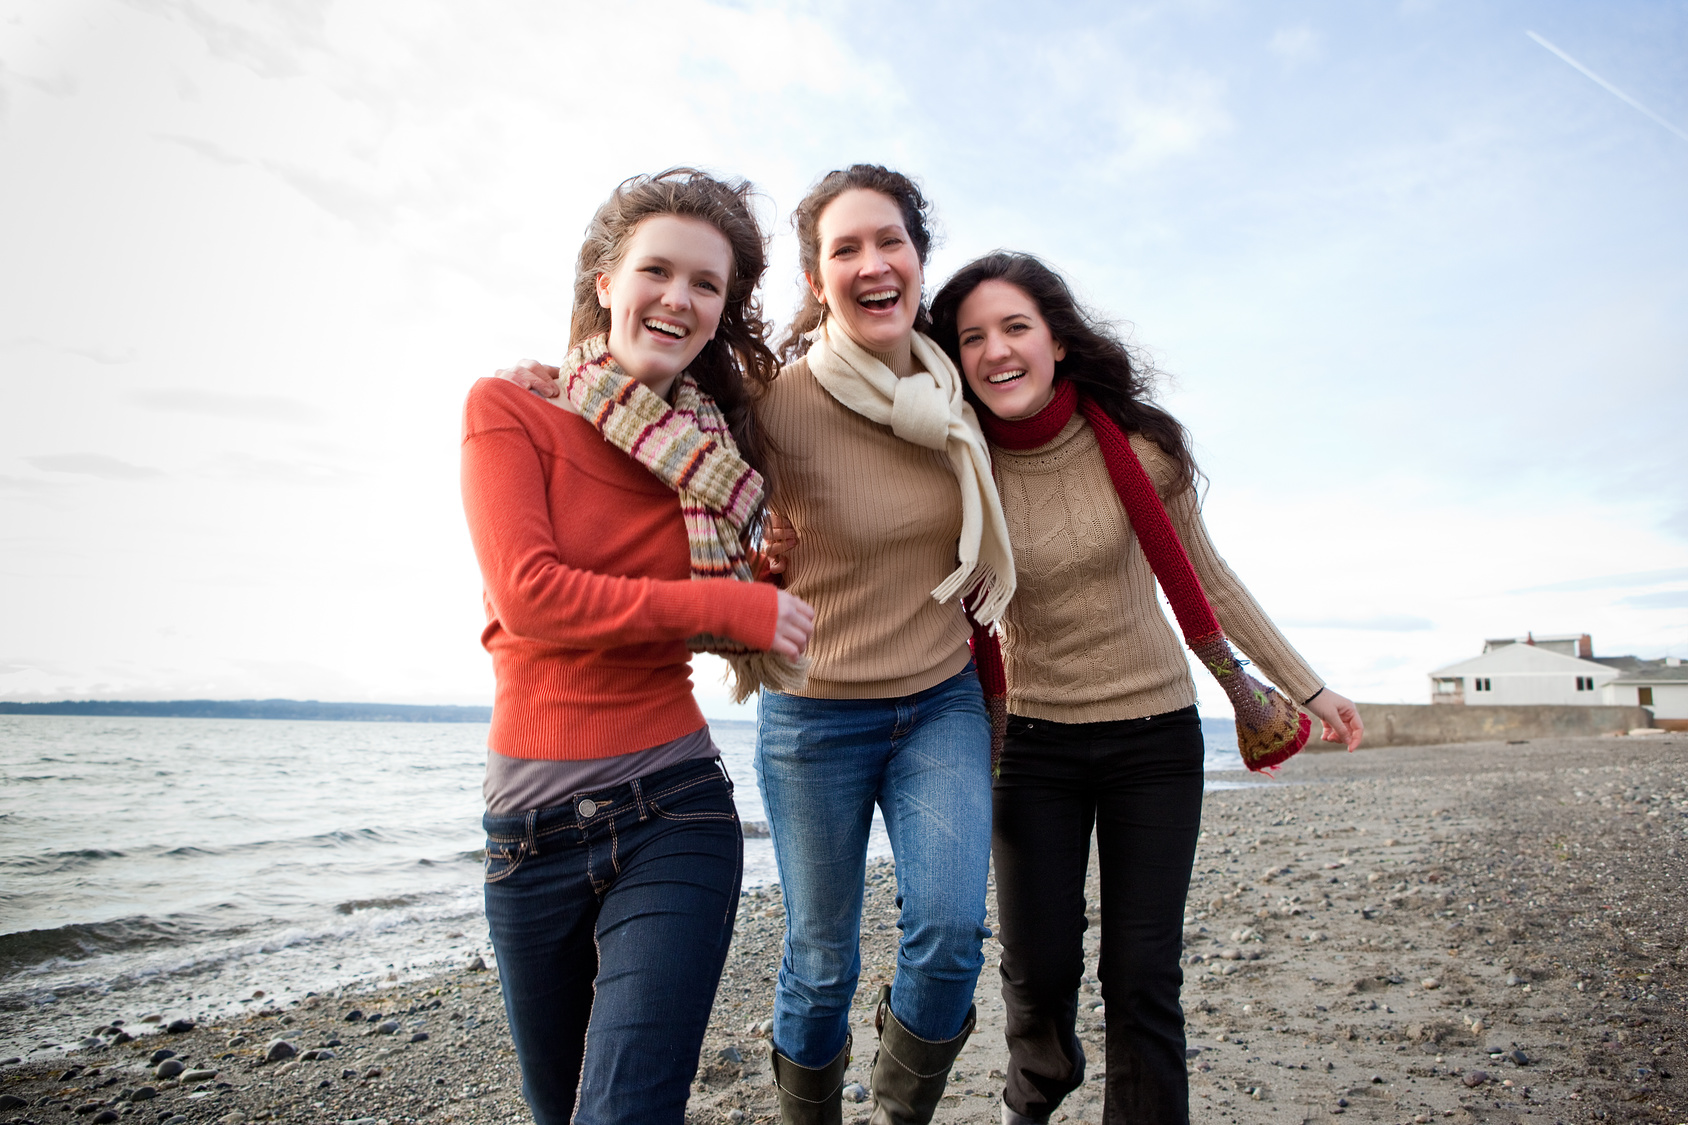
537	597
1251	629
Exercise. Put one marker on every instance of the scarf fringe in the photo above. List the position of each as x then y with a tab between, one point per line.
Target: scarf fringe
1270	729
984	593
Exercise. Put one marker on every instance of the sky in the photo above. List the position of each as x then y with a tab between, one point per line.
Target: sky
1408	270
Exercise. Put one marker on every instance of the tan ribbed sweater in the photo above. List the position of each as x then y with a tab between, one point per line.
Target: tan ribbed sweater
878	519
1085	639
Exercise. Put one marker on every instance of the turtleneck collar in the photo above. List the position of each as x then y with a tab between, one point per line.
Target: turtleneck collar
1040	429
899	360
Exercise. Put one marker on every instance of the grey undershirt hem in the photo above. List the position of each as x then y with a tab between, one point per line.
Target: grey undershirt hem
515	785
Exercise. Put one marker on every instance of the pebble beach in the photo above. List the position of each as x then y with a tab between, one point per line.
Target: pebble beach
1481	932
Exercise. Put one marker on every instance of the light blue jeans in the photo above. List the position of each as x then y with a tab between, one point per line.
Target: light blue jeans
823	765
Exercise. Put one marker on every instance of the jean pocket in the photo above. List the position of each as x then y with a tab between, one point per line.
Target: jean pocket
502	859
700	799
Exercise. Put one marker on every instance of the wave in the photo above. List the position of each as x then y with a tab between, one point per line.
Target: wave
55	863
357	904
83	941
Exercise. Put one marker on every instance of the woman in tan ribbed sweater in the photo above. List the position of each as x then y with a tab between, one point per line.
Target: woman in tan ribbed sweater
879	466
1102	729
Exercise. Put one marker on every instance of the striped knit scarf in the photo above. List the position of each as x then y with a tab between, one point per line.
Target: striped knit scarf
1269	727
689	448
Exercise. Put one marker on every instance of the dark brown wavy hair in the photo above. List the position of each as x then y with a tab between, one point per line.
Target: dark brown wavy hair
1102	365
736	366
895	186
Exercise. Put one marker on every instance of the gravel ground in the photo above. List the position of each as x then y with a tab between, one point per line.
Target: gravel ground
1483	932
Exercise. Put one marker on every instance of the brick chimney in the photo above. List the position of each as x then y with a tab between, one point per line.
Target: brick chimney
1585	647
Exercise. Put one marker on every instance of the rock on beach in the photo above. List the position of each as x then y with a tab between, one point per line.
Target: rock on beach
1514	912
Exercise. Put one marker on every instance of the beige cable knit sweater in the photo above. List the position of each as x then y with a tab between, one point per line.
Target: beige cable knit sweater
878	520
1085	639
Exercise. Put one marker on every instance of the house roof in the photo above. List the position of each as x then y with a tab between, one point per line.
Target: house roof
1526	659
1655	674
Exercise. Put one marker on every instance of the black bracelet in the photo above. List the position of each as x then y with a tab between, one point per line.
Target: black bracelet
1312	697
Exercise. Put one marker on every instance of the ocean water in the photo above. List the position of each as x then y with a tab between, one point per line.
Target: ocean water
191	867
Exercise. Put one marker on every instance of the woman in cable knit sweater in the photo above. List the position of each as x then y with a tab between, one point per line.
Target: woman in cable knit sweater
1102	728
880	469
609	525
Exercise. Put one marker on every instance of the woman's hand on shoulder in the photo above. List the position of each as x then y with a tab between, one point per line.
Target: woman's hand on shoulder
1340	717
793	627
531	375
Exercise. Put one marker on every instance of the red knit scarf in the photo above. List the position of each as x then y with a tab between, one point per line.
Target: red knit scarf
1269	727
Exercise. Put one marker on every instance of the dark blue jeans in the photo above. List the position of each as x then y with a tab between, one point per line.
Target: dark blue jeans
611	919
925	760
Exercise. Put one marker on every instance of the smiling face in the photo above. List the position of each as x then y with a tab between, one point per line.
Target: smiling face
666	296
1008	353
869	271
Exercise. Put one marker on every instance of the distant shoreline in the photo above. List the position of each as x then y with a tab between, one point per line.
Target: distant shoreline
296	709
254	709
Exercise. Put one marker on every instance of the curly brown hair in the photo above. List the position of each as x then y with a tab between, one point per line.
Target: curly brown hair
895	186
736	366
1102	365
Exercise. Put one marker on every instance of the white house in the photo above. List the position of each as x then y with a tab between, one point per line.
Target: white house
1522	673
1661	685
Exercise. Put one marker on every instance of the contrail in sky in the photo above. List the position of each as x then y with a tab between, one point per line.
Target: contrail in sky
1613	90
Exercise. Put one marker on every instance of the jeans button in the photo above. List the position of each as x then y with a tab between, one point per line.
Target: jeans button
587	807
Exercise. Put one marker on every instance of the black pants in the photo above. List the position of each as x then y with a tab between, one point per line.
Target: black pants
1139	782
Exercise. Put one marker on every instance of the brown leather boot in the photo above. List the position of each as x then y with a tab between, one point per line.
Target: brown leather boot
810	1097
909	1073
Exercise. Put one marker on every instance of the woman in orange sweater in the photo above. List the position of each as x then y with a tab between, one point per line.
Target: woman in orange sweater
610	525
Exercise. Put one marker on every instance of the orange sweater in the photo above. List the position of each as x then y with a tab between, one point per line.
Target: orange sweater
588	587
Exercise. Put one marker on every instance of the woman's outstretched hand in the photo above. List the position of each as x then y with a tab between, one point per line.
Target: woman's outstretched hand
531	375
1340	716
793	627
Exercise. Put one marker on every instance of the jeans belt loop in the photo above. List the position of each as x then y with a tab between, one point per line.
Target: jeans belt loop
638	798
530	844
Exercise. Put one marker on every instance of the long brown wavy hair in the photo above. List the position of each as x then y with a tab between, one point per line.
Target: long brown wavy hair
1102	365
736	366
896	187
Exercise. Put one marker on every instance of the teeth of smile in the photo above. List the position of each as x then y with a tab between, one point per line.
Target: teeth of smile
1005	377
880	295
666	329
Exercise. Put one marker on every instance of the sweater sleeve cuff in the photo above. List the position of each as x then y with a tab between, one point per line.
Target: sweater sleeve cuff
744	611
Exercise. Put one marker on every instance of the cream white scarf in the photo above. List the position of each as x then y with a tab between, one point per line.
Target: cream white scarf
927	409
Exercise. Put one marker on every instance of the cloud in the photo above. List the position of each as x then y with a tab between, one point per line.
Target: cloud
1664	599
244	466
1381	623
340	199
25	484
204	148
1610	581
93	465
219	404
1295	45
98	355
261	50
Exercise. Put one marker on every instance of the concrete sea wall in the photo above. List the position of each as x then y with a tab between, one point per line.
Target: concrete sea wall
1425	724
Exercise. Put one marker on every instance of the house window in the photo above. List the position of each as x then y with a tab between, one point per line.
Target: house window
1644	696
1481	683
1585	683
